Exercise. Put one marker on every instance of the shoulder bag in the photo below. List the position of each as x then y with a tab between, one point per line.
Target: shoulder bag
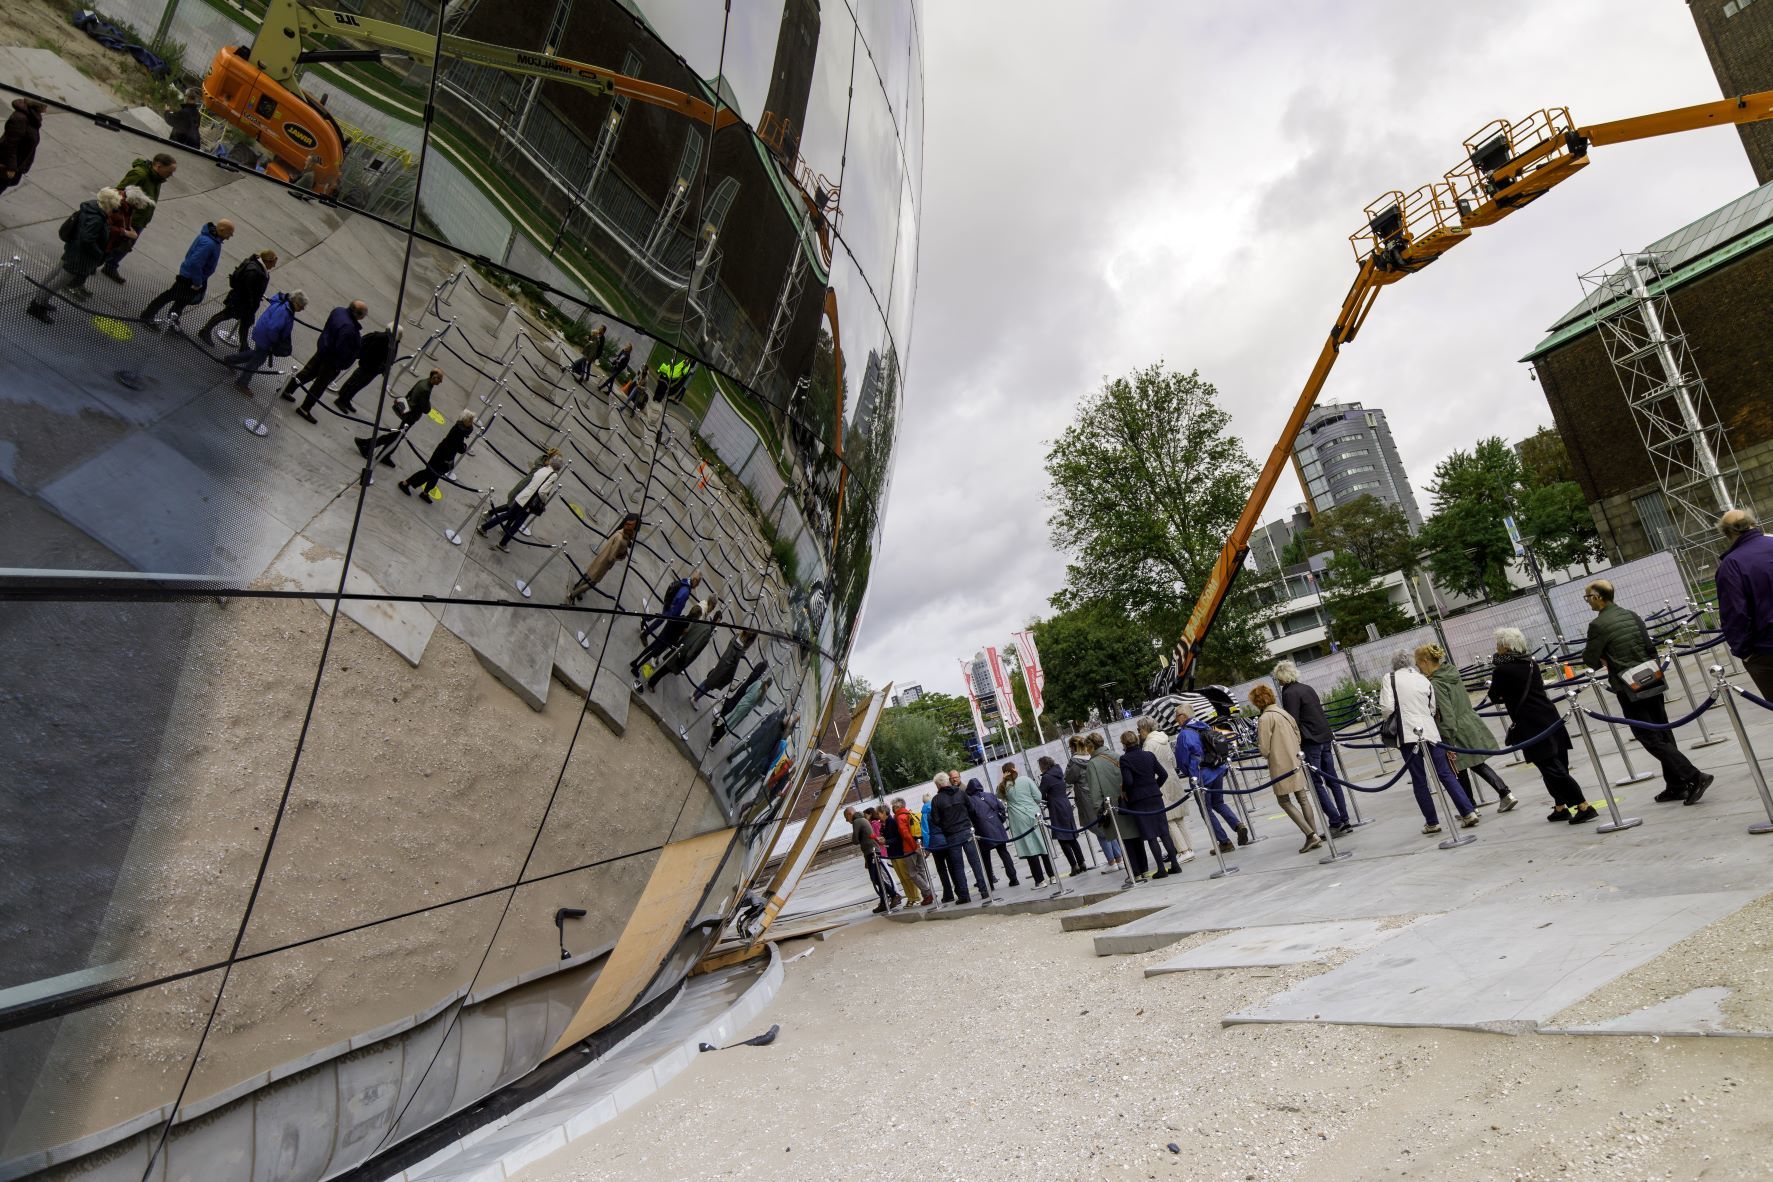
1391	727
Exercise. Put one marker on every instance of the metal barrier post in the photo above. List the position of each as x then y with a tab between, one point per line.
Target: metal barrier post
526	586
1455	837
475	439
1728	692
1315	815
456	535
1126	863
423	352
1705	738
1618	822
1200	798
1632	775
1354	807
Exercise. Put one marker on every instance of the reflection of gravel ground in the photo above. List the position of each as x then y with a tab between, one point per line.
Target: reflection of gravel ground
1736	951
1002	1049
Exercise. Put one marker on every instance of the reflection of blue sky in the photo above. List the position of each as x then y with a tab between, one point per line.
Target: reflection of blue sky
886	30
872	170
751	32
863	327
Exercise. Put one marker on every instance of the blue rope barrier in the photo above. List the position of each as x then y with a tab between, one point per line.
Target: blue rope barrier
1544	734
1350	784
1638	724
1755	698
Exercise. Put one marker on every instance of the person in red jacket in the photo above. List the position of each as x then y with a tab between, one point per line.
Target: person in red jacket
905	851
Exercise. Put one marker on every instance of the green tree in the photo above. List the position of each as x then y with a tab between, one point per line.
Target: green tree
910	747
1544	459
1145	487
1374	534
1082	649
856	689
1556	523
1468	546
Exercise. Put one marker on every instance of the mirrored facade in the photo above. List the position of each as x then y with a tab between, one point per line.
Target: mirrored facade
433	544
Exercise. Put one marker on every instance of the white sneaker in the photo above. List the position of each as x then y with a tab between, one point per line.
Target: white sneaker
1187	856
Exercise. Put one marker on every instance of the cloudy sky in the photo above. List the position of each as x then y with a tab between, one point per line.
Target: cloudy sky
1108	184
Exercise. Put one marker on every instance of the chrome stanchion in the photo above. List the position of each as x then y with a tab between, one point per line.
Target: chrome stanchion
486	426
1314	814
1618	822
1632	775
526	586
456	535
1728	693
1705	737
1354	806
1456	836
1200	798
1126	863
423	352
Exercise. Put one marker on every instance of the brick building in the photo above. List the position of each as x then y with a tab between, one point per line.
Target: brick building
1738	38
1718	273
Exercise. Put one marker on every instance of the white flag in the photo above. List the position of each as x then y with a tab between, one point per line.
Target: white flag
1031	671
1000	681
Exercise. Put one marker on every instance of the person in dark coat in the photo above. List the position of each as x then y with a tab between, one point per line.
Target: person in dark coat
334	352
1516	686
1745	596
273	335
408	412
617	364
1618	640
1059	813
741	701
83	250
663	640
192	281
1101	787
951	813
1315	740
1141	790
375	354
862	834
147	175
443	458
726	667
689	646
246	290
18	144
672	602
988	818
185	123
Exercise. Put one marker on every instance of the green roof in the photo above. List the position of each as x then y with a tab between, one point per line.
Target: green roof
1720	237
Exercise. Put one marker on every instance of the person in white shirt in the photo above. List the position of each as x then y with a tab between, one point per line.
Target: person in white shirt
1410	695
1158	743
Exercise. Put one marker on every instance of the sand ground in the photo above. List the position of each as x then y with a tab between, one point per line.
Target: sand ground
1003	1048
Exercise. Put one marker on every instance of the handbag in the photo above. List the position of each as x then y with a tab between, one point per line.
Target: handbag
1643	681
1391	727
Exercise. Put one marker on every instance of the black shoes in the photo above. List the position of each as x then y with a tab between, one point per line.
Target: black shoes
306	414
402	486
1158	875
1669	795
1243	835
111	274
1560	813
1697	788
1585	813
1342	830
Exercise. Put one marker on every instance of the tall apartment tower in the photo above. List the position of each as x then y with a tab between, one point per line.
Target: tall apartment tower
1738	38
1346	451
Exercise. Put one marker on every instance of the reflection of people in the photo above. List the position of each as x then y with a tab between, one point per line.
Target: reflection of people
589	356
530	500
148	176
84	236
183	124
375	353
407	412
740	705
667	636
340	339
246	290
689	646
614	549
272	336
443	458
192	279
672	602
617	364
726	667
18	144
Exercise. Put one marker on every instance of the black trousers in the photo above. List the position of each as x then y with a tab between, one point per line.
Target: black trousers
881	880
317	375
1040	867
937	856
1677	770
360	377
1002	850
1073	853
181	295
242	326
1554	769
958	856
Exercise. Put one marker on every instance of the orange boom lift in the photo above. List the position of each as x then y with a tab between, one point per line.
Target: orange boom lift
1506	165
254	87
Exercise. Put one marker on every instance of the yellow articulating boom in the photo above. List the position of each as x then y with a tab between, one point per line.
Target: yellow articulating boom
1506	166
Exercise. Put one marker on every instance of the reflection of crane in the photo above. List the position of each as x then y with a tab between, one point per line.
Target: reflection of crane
1506	166
254	88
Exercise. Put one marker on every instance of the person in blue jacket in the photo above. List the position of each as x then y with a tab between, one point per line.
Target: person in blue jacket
1191	746
933	841
192	280
335	351
272	336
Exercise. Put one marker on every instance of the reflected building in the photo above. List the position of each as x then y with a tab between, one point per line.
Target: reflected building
365	754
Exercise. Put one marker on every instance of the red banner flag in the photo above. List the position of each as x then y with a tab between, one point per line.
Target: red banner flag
1031	671
1000	682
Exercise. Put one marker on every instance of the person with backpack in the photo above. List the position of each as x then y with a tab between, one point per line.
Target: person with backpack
1203	754
900	828
689	646
672	603
273	335
408	413
148	176
18	143
862	834
953	817
989	814
246	290
83	235
192	280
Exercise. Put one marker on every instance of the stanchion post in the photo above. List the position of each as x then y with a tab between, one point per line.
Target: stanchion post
1456	837
1354	805
1200	798
1632	775
527	586
1728	693
1126	863
456	535
1314	814
1705	736
486	426
1618	822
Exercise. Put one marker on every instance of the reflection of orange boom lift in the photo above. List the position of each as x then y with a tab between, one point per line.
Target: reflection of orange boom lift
1505	167
254	88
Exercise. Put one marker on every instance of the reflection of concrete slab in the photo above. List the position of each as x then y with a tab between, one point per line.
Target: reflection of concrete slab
516	644
1496	966
1292	943
307	565
42	71
1696	1012
163	513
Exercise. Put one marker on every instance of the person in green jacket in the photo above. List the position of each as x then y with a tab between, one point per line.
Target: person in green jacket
689	646
1022	800
1460	725
1618	640
148	176
1102	782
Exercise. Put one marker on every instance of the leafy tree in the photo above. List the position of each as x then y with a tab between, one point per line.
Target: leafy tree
1145	486
1374	534
1544	460
1556	523
1084	647
1468	546
856	689
910	746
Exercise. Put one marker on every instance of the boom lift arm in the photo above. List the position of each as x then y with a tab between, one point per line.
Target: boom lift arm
1506	166
255	88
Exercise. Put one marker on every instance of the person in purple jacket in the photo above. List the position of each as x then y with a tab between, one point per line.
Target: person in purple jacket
1745	596
340	339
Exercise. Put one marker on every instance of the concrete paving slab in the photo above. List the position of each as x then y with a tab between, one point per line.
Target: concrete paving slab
1696	1013
163	513
44	72
1503	966
516	645
1293	943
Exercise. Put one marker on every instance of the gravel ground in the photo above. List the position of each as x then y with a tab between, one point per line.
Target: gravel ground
1002	1048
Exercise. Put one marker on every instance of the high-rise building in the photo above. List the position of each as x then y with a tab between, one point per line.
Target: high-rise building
1738	38
1346	451
908	694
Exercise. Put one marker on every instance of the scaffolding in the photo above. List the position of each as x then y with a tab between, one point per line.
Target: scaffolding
1695	468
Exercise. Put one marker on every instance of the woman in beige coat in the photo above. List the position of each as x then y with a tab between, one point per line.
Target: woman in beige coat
1277	735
